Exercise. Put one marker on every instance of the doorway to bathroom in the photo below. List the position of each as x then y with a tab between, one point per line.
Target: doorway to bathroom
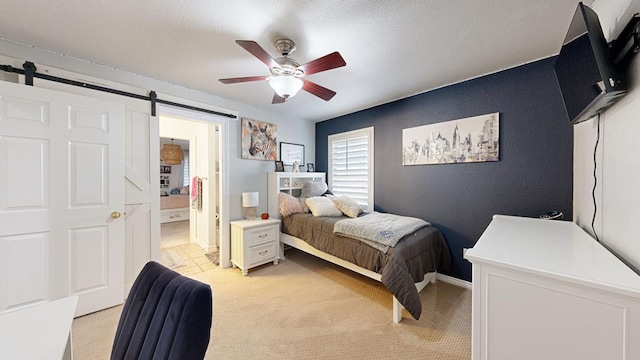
190	190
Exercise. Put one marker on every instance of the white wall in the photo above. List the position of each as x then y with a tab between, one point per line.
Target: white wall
618	158
245	175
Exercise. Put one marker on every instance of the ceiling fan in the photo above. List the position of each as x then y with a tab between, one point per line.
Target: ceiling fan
287	76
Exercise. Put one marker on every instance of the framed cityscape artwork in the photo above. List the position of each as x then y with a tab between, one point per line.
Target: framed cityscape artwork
473	139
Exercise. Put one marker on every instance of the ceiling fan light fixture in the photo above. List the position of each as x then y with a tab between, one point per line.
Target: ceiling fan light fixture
286	73
286	86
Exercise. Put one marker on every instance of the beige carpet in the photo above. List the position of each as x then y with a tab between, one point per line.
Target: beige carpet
306	308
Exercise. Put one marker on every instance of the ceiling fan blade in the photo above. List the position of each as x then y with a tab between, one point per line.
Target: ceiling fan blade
257	51
327	62
277	99
243	79
317	90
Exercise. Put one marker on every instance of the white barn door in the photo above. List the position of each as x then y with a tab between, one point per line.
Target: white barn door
141	189
141	173
61	198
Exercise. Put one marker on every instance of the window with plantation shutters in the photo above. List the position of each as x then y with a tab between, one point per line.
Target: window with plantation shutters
351	166
186	181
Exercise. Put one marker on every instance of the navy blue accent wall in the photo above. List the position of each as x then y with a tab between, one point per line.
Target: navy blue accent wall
534	174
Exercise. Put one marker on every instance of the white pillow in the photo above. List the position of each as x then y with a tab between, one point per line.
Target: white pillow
348	206
322	206
311	189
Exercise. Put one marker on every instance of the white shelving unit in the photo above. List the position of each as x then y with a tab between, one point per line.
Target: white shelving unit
290	183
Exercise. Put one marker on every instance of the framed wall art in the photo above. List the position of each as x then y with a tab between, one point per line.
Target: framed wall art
473	139
259	140
290	153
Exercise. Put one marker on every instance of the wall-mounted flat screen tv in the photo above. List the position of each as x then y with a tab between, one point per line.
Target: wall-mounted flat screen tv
588	81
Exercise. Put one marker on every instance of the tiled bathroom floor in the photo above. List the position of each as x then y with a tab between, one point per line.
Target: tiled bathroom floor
175	240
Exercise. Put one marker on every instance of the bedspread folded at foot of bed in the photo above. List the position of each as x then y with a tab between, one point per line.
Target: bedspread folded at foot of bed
378	230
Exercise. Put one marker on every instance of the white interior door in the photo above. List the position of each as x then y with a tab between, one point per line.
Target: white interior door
61	197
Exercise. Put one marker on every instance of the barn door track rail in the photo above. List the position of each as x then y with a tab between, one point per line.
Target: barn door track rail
29	72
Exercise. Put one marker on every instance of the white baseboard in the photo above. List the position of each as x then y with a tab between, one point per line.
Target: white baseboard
454	281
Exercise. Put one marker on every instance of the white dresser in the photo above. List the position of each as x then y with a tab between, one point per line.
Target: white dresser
172	215
254	242
544	289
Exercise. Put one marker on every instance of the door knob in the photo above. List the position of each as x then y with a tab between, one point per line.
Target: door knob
115	215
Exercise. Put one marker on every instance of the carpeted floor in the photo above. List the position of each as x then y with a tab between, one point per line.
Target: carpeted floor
306	308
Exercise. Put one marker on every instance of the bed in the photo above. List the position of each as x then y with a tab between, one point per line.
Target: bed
174	208
404	269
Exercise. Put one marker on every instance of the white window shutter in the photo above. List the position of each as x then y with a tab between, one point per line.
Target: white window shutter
186	181
351	166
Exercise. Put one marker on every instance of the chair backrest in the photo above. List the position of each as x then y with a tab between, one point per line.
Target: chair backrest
166	316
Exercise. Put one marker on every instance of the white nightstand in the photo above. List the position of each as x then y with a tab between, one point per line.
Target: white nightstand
254	242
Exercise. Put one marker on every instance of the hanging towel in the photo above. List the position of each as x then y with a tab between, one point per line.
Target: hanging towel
196	193
194	188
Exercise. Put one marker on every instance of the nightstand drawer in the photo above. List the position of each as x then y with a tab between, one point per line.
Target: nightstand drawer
261	235
261	254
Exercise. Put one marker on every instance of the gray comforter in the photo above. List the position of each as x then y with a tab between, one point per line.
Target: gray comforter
416	254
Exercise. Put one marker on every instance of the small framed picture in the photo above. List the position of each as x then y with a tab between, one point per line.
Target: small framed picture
290	153
279	166
165	169
310	167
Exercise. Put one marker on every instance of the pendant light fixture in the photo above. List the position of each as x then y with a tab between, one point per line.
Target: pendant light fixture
171	154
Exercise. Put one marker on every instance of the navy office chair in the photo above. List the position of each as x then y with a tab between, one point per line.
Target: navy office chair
166	316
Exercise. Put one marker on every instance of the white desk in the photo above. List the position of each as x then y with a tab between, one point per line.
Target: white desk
41	331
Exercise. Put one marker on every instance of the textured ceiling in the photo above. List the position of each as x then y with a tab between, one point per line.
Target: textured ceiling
393	49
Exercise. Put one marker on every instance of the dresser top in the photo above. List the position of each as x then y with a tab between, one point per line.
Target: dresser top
559	249
248	224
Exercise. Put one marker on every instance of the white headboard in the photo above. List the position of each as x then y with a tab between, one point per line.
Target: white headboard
290	183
